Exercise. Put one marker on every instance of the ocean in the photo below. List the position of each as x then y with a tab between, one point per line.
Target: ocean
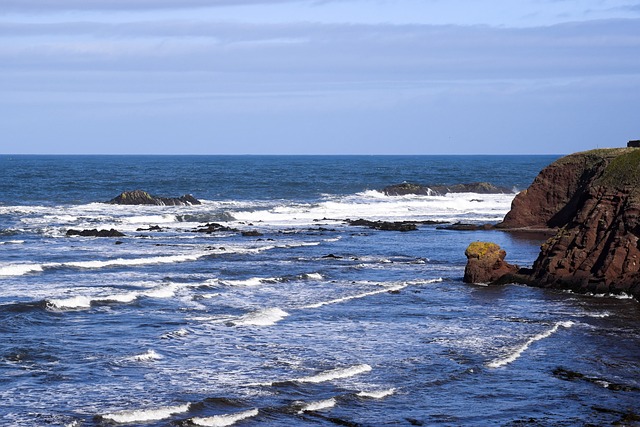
305	320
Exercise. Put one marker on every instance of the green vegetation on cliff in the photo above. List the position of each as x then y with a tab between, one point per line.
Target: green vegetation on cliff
623	171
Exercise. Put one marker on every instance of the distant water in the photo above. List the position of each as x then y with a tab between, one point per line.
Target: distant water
176	327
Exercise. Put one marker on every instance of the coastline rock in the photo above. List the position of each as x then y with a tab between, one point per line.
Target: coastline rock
139	197
557	193
95	233
594	197
384	225
440	190
485	263
213	227
252	233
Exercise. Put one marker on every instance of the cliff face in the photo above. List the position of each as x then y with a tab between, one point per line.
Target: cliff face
594	197
555	195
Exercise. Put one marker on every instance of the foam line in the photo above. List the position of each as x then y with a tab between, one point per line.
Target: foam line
519	350
318	405
335	374
348	298
224	420
267	317
377	394
142	415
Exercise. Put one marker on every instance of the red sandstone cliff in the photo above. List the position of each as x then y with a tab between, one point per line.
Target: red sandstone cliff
594	199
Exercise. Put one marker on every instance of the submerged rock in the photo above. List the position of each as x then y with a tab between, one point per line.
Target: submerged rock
213	227
139	197
384	225
485	263
440	190
95	233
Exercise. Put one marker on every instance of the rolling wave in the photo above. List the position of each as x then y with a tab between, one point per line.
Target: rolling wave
224	420
143	415
517	352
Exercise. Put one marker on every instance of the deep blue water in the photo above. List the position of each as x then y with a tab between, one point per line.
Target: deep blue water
176	327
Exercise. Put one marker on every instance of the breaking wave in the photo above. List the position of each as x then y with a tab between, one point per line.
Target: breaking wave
224	420
318	405
517	352
142	415
335	374
266	317
377	394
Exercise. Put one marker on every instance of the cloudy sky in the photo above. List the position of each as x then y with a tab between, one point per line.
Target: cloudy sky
318	76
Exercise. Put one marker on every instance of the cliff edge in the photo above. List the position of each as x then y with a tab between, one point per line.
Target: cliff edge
593	200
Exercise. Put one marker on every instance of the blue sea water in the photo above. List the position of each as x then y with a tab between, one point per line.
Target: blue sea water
177	327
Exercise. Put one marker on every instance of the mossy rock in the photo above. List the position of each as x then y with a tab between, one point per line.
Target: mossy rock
480	250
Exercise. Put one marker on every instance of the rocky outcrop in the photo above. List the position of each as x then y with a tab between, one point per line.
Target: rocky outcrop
556	194
384	225
440	190
95	233
139	197
485	263
594	200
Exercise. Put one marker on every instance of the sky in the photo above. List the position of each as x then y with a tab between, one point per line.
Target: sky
318	76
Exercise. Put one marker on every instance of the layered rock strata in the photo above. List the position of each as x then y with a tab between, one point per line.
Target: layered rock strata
593	199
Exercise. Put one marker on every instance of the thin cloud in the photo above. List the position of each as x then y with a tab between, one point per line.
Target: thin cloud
89	5
326	52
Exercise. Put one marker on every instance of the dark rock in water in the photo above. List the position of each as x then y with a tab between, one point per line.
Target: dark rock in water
485	263
252	233
139	197
594	197
568	375
95	233
332	256
213	227
440	190
466	227
384	225
151	228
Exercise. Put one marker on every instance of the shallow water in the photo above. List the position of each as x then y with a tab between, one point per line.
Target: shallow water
184	328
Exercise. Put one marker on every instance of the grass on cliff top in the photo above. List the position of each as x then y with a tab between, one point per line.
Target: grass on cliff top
624	170
595	156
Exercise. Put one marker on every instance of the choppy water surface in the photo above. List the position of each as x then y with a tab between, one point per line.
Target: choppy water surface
176	327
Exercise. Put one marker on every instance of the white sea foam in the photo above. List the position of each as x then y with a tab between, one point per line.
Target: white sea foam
135	261
145	357
335	374
123	298
166	291
142	415
19	269
224	420
377	394
12	242
76	302
374	205
517	352
351	297
267	317
313	276
253	281
318	405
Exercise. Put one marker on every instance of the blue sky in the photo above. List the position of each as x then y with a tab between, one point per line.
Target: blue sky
318	77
